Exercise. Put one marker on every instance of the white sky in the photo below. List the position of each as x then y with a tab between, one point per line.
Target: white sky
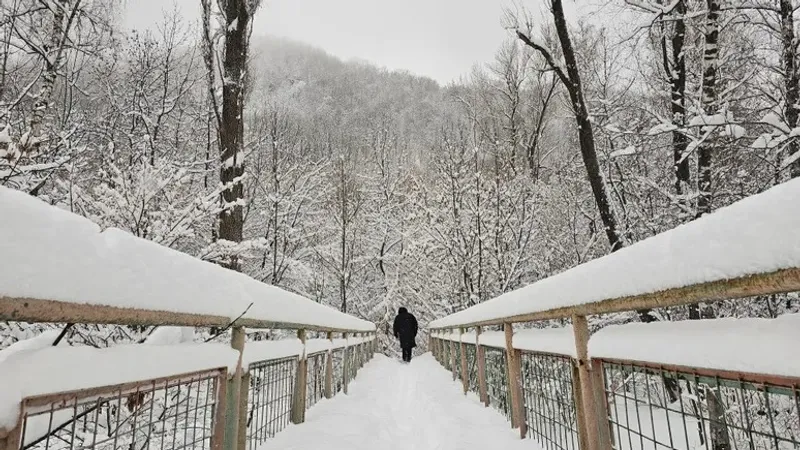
441	39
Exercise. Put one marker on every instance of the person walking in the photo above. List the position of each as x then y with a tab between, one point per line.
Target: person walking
405	330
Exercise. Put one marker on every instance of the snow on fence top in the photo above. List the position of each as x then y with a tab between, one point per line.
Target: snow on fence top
258	351
560	341
757	235
762	346
31	373
53	255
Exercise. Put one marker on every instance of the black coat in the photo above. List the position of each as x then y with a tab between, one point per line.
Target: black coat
405	329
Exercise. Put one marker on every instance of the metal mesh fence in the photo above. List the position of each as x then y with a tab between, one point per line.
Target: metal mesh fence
471	355
445	358
338	370
315	384
456	369
653	407
549	400
168	413
270	398
497	380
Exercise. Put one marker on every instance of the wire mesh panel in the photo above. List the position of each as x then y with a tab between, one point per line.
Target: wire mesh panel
446	354
315	384
471	351
352	363
269	404
338	370
653	407
497	380
549	400
168	413
456	369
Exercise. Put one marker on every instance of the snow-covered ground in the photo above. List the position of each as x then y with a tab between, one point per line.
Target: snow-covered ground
397	406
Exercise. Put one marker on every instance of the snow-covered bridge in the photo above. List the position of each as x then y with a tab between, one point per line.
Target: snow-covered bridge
717	383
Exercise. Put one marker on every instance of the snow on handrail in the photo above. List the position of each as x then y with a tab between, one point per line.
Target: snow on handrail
746	345
32	372
258	351
751	247
60	267
743	345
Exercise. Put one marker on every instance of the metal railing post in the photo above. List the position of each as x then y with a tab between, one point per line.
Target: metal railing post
480	355
301	383
580	327
464	373
329	369
515	382
345	364
233	393
601	404
452	346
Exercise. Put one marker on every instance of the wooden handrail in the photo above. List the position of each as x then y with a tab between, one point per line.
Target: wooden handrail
53	311
778	282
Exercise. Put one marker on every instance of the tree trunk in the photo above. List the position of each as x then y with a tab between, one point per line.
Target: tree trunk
231	218
585	132
709	101
717	426
677	75
790	78
52	56
572	82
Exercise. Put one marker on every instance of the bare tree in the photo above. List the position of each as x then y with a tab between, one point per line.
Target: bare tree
710	105
570	77
236	22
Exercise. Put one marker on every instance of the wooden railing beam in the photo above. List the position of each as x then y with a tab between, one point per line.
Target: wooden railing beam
480	355
587	409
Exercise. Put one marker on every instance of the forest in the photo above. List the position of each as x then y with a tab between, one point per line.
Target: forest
367	189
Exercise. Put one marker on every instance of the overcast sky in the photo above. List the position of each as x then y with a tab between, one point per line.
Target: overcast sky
441	39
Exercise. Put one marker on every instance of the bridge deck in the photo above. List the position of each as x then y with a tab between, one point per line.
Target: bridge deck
397	406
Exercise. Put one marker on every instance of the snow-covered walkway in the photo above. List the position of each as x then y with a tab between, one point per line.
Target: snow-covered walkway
397	406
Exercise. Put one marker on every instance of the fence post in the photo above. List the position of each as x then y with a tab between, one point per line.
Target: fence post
580	328
358	336
452	345
345	364
480	355
243	404
233	392
580	416
329	369
514	382
300	386
601	402
464	373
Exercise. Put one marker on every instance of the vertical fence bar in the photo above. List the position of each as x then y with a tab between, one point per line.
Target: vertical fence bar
580	415
329	369
580	327
601	404
233	391
514	382
13	441
480	355
244	393
464	372
345	364
452	346
300	387
220	416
